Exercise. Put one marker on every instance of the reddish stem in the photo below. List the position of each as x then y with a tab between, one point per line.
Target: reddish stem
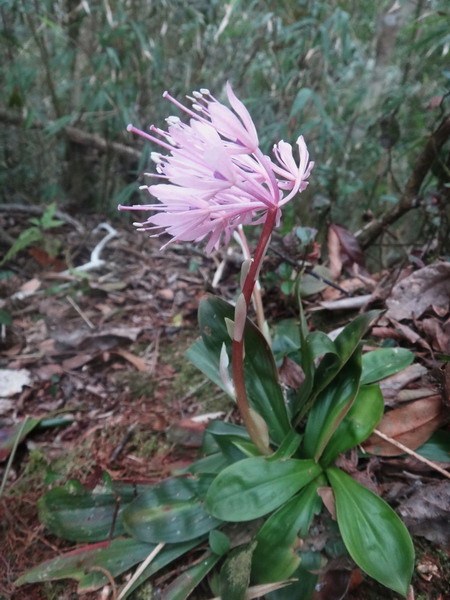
237	360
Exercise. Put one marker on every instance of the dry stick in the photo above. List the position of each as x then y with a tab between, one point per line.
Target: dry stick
141	569
82	314
407	450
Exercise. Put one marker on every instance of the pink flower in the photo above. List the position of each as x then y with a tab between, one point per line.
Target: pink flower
214	176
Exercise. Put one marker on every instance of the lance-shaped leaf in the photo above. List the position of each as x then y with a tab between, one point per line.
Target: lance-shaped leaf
275	557
362	418
261	375
183	586
79	515
344	347
167	555
234	575
330	408
85	564
373	534
170	512
254	487
384	362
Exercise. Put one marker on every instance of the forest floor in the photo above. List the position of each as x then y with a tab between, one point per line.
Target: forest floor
93	379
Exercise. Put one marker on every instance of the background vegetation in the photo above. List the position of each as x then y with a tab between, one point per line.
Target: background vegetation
367	83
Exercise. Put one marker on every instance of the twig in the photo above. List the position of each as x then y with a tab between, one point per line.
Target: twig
407	450
82	314
78	136
108	576
309	271
34	209
121	445
141	569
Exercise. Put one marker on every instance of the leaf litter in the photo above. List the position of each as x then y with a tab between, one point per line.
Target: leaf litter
93	345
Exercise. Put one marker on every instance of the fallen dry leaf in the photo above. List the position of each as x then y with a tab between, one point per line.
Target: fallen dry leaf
427	512
393	384
411	425
343	248
136	361
426	287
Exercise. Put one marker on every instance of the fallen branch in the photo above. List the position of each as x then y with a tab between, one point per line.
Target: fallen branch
78	136
410	196
34	209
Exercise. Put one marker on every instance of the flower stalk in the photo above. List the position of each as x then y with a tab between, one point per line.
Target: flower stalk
214	180
252	424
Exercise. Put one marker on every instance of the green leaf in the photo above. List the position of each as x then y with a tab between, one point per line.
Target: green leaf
320	344
219	542
261	376
235	573
275	557
5	317
184	585
330	408
437	448
231	439
301	99
170	512
116	557
362	418
254	487
373	534
345	345
305	586
74	513
168	554
384	362
27	238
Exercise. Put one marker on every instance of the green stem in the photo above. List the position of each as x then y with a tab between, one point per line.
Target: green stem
237	360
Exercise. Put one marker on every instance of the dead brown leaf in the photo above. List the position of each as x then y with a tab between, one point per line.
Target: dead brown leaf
426	287
411	425
136	361
391	386
427	512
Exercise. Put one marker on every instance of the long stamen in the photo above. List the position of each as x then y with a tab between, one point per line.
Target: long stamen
147	136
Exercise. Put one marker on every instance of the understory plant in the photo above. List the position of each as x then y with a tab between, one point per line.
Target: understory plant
241	514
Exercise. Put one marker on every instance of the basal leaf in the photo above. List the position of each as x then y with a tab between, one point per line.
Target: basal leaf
362	418
78	515
330	408
275	557
171	512
373	534
116	557
183	586
384	362
254	487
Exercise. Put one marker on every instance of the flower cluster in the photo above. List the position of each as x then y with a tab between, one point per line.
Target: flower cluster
215	176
